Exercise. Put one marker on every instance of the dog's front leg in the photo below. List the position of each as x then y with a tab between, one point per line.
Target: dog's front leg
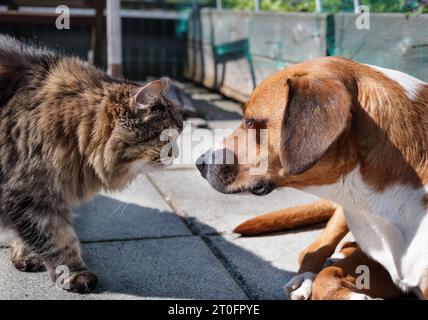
313	258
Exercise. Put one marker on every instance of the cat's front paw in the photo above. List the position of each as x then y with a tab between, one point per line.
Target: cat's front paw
22	260
27	264
80	282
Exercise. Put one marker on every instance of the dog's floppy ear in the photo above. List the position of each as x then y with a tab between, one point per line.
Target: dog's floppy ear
317	112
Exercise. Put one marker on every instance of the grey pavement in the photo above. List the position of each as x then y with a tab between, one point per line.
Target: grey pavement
169	235
168	268
207	211
139	212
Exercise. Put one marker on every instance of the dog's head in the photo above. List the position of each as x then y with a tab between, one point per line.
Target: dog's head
296	132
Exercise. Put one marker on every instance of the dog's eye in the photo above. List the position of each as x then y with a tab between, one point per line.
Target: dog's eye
248	123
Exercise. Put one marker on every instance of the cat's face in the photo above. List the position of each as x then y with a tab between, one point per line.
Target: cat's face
145	135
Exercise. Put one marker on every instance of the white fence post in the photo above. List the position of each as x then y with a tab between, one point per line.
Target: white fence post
318	7
256	5
114	38
356	5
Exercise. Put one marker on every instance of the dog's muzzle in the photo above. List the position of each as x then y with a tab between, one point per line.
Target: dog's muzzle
262	188
218	167
202	166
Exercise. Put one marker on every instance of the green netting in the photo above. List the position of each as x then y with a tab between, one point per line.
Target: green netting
333	6
329	6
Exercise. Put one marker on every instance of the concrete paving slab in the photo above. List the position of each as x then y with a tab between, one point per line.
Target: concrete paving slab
212	106
137	212
225	124
6	237
192	142
209	211
146	269
263	265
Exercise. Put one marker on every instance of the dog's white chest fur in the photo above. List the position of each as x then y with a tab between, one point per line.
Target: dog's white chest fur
410	85
390	226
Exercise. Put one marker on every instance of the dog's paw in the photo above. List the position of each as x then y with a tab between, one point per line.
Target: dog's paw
360	296
80	282
300	286
336	257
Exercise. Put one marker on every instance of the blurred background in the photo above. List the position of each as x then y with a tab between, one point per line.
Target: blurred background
227	45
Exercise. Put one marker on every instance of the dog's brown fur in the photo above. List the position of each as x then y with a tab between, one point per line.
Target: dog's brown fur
326	118
332	146
68	130
339	279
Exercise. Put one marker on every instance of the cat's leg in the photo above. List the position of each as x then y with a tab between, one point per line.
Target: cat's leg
50	237
64	251
22	257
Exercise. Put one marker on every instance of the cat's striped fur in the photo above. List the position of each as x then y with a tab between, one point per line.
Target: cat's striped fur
67	130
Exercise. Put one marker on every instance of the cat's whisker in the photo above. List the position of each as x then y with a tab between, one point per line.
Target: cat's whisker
123	210
118	207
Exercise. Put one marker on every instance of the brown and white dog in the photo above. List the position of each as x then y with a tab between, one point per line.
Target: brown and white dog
353	134
324	274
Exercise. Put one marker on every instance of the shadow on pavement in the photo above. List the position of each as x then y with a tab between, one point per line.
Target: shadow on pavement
167	266
144	253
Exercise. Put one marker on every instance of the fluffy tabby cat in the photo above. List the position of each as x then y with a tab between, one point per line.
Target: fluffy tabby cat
68	130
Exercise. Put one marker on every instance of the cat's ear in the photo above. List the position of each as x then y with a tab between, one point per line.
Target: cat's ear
150	92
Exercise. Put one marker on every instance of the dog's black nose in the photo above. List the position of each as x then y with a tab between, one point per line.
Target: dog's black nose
200	163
